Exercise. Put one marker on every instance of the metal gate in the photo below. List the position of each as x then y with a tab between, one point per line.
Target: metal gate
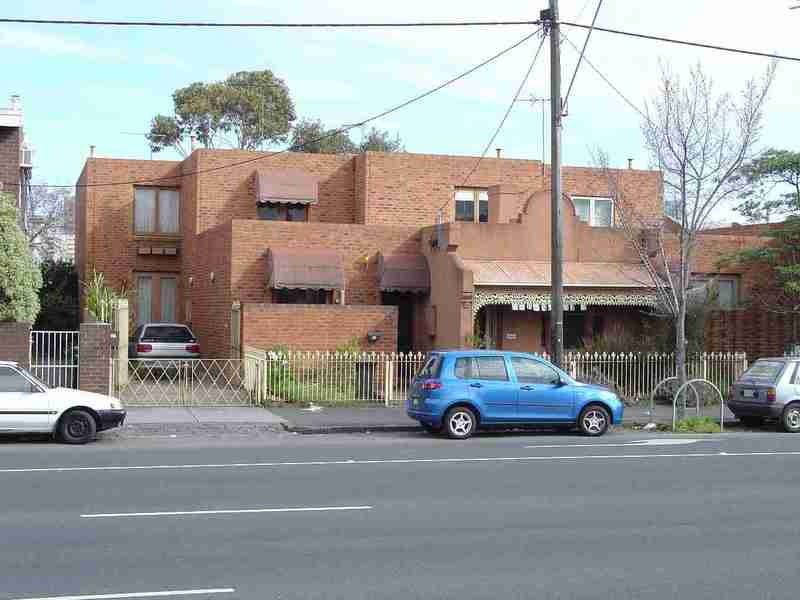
54	357
179	382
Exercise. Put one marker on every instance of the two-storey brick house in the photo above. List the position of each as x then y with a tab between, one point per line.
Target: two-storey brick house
397	251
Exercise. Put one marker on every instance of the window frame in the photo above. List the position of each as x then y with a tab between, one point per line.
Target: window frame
592	199
157	213
476	368
476	203
156	308
704	278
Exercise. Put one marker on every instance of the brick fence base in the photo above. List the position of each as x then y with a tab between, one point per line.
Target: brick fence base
15	342
94	371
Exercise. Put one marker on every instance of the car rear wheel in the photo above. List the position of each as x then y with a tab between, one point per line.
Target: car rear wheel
791	418
77	427
460	423
594	420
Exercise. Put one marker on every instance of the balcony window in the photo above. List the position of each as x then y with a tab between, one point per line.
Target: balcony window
472	205
156	211
301	296
596	212
282	212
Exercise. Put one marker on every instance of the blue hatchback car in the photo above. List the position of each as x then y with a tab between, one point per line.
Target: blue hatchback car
457	392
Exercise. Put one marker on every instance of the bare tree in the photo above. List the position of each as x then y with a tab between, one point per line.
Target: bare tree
49	220
699	140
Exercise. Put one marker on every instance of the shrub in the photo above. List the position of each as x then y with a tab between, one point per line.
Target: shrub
697	425
20	277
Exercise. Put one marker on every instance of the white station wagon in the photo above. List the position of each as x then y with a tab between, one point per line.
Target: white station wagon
28	406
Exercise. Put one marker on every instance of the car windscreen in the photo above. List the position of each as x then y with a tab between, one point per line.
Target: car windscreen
764	370
431	368
170	334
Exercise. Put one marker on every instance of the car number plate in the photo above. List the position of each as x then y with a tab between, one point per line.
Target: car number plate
748	393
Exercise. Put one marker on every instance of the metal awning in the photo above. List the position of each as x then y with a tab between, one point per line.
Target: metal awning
304	269
286	187
526	273
404	273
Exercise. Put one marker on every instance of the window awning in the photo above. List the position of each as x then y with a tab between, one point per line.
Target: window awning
527	273
304	269
286	187
403	273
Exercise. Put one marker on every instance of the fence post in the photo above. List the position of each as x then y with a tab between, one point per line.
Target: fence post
94	370
388	376
121	312
15	343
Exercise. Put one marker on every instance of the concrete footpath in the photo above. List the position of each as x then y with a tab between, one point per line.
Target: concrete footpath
244	420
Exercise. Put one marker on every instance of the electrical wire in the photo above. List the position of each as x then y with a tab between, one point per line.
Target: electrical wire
580	58
659	38
330	134
607	80
263	25
505	116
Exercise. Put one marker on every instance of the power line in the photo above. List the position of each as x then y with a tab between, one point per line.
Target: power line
607	80
580	58
505	116
330	134
263	25
684	42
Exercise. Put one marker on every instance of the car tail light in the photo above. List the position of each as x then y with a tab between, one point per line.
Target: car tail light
772	394
431	385
194	348
143	348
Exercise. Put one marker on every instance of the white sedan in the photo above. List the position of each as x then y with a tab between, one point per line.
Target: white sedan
28	406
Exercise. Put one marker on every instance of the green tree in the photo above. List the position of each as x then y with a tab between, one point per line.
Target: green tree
20	277
775	186
247	110
774	177
310	135
378	140
58	296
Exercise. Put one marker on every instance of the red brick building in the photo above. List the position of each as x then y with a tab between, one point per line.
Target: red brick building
394	251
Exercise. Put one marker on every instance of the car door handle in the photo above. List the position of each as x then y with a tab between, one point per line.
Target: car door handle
476	385
527	388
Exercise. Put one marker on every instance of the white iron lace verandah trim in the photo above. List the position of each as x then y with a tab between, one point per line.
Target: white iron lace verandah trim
533	300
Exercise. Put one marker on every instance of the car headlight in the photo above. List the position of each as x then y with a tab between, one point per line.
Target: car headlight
116	404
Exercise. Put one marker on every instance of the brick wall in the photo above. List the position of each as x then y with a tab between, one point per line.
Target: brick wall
15	342
408	189
355	242
318	327
752	330
94	370
10	139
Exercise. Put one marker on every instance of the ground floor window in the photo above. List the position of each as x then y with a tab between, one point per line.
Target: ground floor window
295	296
156	297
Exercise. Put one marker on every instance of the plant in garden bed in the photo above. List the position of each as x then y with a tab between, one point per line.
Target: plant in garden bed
697	425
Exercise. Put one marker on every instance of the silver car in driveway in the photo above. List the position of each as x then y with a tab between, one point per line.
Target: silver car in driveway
163	341
769	389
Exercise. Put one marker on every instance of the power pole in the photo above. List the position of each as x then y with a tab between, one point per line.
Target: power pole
550	19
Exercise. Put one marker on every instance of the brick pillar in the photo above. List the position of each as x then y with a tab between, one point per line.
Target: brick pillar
15	342
94	371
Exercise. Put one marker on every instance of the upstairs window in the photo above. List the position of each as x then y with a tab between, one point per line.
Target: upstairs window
472	205
301	296
596	212
726	288
156	211
282	212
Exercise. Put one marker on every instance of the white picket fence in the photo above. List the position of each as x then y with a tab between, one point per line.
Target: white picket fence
372	378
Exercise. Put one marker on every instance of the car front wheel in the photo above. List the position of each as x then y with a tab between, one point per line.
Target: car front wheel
460	423
594	420
77	427
791	418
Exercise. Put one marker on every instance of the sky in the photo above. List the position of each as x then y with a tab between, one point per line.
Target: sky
83	86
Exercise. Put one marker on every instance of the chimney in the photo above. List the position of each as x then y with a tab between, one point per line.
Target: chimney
498	150
630	163
16	103
91	151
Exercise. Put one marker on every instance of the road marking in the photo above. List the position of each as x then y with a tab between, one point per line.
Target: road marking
138	595
390	461
656	442
177	513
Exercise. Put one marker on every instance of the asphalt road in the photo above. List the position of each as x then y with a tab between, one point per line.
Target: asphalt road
402	516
